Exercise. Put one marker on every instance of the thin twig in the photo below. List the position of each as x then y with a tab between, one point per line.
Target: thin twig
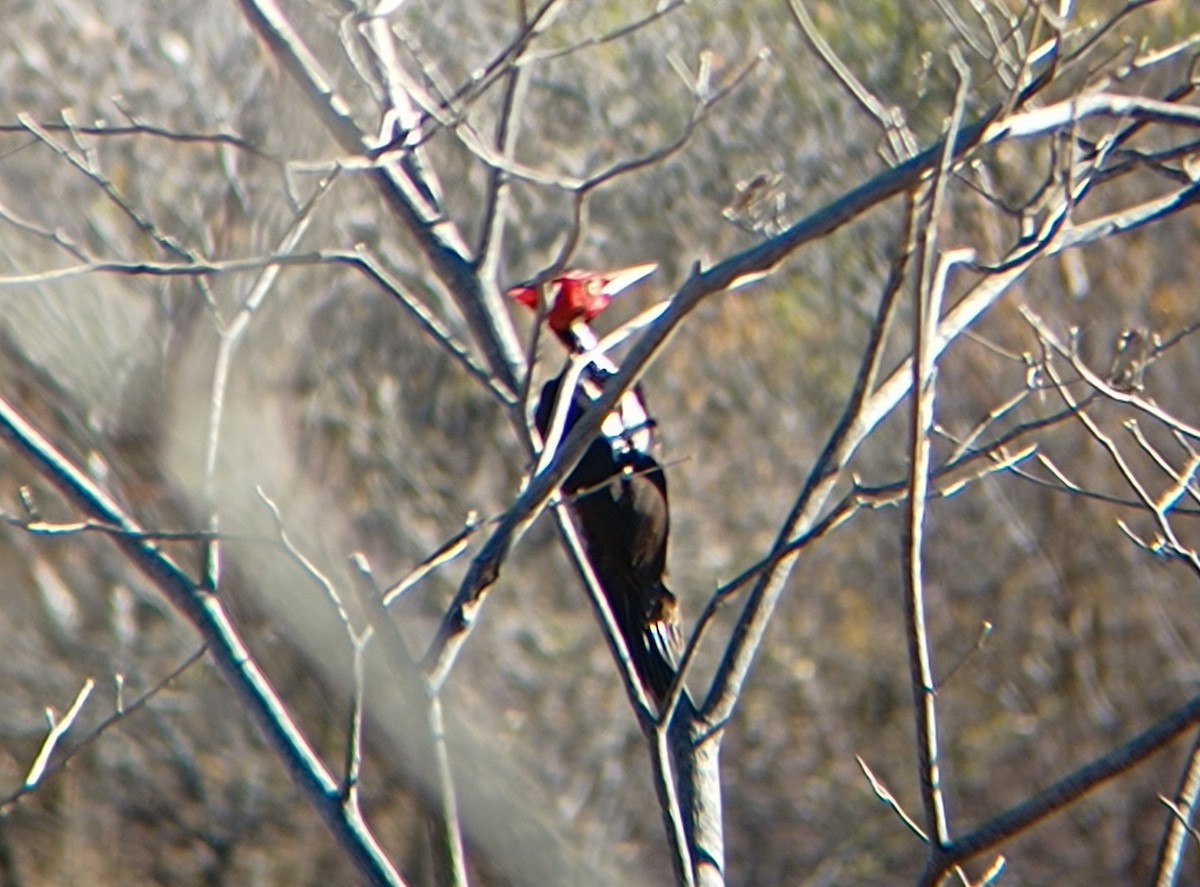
354	729
310	569
452	858
123	710
499	191
446	552
359	261
58	729
932	275
900	137
436	785
884	794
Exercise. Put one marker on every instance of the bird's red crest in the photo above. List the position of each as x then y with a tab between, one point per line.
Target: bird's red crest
524	295
576	296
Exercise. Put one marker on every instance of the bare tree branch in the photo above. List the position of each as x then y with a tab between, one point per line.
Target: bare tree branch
1179	826
1057	797
440	241
206	613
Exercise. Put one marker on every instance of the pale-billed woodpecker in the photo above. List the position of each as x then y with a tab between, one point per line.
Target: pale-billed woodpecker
618	491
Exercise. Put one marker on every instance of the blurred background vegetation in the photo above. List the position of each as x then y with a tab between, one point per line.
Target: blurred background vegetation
370	438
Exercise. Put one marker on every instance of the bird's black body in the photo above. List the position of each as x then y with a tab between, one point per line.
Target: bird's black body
619	495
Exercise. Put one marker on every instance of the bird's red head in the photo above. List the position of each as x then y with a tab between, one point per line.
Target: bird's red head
579	296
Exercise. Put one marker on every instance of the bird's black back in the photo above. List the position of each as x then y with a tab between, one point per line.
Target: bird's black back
619	494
